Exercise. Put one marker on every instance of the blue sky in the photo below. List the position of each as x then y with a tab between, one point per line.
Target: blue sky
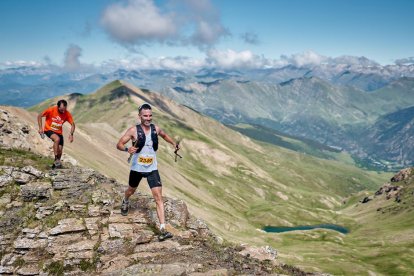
189	32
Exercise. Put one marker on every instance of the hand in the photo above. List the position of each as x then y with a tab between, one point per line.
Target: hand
71	138
132	150
177	147
41	131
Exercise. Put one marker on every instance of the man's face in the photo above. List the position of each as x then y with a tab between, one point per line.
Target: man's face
62	108
146	117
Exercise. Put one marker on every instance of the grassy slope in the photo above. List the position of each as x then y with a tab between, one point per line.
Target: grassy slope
235	184
297	144
384	231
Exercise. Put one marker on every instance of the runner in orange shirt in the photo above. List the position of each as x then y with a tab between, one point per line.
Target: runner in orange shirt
56	116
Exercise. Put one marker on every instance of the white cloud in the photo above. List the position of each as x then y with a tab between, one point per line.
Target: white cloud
208	29
405	61
352	60
207	33
71	60
138	22
20	63
142	22
232	59
182	63
303	59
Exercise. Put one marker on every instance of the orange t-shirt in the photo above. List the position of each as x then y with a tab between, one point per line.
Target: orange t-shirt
55	119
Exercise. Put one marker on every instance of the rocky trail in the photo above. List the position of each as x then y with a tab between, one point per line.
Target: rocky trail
68	222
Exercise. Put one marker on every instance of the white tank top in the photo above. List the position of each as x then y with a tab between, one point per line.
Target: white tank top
146	159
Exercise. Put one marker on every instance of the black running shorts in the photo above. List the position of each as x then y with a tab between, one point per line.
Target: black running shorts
50	133
153	178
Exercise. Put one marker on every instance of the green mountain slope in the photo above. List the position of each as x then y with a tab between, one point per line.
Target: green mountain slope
284	140
391	137
237	185
304	107
384	237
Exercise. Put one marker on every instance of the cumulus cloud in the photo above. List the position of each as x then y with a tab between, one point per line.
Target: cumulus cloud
230	59
405	61
138	22
352	60
134	23
250	38
227	59
207	33
71	60
302	59
208	29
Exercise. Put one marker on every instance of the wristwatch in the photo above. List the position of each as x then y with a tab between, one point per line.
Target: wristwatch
126	149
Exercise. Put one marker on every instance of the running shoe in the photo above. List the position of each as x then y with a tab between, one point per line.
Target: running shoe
164	235
124	208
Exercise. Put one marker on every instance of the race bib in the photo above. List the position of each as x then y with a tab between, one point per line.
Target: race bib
55	126
145	160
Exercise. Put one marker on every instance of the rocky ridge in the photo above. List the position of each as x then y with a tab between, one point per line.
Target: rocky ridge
400	189
68	221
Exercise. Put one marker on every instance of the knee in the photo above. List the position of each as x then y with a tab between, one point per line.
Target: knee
57	140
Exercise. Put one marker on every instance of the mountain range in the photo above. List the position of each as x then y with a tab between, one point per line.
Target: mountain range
239	185
340	104
311	108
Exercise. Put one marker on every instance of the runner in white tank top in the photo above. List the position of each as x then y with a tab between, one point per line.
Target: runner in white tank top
144	162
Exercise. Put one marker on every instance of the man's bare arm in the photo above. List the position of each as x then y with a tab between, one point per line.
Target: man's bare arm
129	134
39	122
72	130
166	137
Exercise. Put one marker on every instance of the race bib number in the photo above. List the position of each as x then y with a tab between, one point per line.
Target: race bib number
55	126
145	160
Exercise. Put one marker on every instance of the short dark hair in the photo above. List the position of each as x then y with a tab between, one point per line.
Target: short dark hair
65	103
144	106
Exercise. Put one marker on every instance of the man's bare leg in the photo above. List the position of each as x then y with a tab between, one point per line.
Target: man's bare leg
157	194
125	202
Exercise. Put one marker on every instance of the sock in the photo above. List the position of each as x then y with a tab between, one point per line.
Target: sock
126	200
162	226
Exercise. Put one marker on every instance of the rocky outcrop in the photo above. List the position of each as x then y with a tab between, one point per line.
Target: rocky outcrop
400	190
69	221
389	190
17	133
403	175
13	132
